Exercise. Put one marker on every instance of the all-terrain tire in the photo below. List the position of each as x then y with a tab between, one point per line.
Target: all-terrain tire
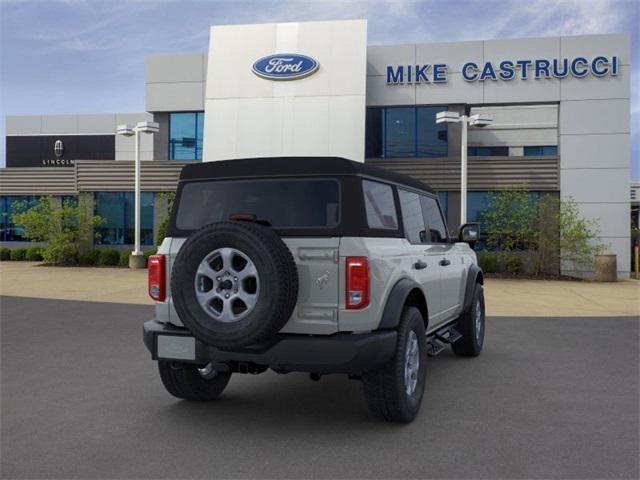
471	326
278	284
385	390
183	380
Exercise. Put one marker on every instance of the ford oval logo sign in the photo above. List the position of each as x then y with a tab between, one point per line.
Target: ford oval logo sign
285	66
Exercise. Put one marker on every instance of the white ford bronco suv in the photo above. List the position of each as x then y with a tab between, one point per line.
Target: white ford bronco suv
310	264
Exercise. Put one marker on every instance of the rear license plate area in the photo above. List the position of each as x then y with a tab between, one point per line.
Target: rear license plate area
176	347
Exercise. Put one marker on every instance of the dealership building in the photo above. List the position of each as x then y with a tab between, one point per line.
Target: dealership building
560	108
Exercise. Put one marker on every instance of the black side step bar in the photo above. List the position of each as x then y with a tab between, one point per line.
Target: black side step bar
437	341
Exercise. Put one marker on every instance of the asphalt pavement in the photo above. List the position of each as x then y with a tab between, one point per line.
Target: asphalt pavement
548	398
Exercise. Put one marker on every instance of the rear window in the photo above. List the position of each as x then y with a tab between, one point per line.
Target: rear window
283	203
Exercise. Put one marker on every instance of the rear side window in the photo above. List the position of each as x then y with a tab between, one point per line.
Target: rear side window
281	203
379	205
412	217
433	220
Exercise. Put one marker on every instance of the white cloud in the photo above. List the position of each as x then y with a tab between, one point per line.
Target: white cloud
592	16
102	43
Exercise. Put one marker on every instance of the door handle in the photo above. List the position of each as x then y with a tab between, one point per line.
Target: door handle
419	265
444	262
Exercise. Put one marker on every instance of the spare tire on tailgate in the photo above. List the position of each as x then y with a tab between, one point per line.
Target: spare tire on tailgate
234	284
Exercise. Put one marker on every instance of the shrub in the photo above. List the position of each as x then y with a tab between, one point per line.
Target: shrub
513	263
5	253
109	257
61	254
18	254
61	227
579	242
124	258
90	257
561	235
34	254
489	262
148	252
550	228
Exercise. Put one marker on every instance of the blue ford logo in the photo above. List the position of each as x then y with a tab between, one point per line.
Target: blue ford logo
285	66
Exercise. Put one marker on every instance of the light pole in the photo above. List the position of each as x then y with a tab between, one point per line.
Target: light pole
136	259
477	120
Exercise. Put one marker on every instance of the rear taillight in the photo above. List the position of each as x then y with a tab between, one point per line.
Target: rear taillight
357	294
155	265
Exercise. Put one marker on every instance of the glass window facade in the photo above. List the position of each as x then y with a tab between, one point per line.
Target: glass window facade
185	135
544	151
9	231
488	151
117	210
400	132
405	132
478	202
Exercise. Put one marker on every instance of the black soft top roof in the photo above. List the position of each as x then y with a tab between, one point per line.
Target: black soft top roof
294	166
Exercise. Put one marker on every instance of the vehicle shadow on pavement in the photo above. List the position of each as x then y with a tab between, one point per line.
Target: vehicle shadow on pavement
276	401
295	402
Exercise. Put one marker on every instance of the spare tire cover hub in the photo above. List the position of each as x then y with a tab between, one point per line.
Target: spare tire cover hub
227	284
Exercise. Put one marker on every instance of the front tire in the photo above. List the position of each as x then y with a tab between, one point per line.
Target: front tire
471	325
395	391
187	381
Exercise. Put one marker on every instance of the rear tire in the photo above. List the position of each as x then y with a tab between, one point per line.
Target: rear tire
184	380
390	392
471	325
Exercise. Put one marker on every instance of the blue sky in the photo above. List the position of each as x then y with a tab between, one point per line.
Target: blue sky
76	56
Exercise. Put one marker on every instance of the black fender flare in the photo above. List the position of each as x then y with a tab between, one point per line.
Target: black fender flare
474	276
396	301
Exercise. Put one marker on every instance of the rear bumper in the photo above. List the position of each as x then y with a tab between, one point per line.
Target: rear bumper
340	353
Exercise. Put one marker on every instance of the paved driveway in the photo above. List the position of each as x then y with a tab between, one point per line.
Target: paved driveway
547	398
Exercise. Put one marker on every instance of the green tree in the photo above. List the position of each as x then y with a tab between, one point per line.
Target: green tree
561	236
578	236
61	227
507	219
550	228
544	245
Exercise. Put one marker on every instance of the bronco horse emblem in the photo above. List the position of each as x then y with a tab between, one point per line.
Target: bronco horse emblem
322	280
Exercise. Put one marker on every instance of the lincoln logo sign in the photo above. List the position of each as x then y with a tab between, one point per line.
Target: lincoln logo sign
58	148
285	66
505	70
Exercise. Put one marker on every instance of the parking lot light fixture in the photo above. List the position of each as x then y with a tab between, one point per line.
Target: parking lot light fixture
125	130
477	120
136	259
